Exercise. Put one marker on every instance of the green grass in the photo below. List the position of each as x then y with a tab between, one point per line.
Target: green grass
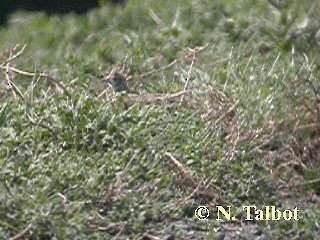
77	166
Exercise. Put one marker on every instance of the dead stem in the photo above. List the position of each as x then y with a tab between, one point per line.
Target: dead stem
190	181
189	74
23	232
9	77
13	57
195	51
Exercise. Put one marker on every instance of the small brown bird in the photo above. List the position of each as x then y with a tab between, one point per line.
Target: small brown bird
118	80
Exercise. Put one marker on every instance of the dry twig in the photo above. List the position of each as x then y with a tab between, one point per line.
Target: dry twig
174	62
14	56
9	78
116	189
9	70
42	125
23	232
189	74
150	98
190	181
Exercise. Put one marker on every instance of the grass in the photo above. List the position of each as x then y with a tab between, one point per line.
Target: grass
78	166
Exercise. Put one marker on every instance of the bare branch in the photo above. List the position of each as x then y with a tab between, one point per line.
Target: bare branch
23	232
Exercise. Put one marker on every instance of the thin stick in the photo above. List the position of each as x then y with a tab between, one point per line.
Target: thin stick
192	182
42	74
119	178
178	60
40	124
161	69
23	232
182	170
313	181
111	226
10	59
149	98
189	74
15	90
155	18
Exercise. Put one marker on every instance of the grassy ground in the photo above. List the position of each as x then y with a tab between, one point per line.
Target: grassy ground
80	164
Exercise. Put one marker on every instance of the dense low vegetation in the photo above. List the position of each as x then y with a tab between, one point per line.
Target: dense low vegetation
79	162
